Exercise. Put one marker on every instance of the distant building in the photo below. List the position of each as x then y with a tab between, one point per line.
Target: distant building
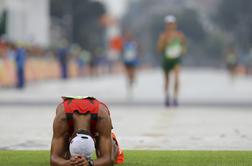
27	20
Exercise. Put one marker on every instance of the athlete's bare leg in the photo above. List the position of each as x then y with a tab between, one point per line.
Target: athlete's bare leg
176	83
131	75
166	87
166	82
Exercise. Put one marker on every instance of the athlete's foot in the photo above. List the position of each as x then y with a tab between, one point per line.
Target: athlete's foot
175	102
167	101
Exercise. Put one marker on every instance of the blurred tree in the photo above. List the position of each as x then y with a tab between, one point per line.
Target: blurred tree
87	29
3	19
236	18
59	8
189	22
81	19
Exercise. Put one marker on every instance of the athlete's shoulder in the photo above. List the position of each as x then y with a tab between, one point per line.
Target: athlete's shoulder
60	112
180	34
104	122
60	126
162	35
103	109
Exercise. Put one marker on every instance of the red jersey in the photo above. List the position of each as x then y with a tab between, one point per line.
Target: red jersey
82	105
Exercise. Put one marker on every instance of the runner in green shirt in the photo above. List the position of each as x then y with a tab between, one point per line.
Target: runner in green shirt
172	45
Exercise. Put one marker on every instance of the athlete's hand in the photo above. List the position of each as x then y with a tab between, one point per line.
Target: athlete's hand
79	161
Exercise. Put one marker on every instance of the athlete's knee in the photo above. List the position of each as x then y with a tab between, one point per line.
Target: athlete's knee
177	77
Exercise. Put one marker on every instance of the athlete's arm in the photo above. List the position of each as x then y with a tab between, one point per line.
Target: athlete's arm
59	145
161	43
104	127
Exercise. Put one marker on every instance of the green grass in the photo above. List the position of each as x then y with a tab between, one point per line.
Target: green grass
142	158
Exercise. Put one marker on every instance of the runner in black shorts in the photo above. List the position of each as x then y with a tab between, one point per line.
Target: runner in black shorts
171	45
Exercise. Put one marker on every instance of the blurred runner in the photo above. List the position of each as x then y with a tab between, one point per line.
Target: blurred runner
102	62
115	49
63	56
172	45
83	60
115	46
20	66
130	58
231	61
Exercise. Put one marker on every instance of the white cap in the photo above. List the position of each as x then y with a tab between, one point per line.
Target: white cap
170	19
82	145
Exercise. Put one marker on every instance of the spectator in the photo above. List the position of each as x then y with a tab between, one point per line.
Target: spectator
20	66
